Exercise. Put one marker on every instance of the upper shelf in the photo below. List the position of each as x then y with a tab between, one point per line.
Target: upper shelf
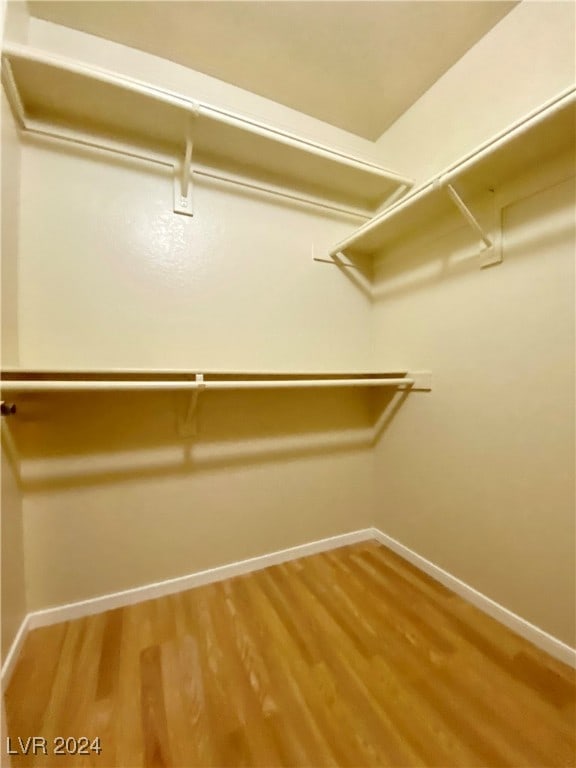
46	90
539	136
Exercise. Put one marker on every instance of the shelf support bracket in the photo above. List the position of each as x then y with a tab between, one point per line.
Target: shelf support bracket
183	201
492	246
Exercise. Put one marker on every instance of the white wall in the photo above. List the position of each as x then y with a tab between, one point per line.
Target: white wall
526	59
479	476
110	277
13	592
16	21
115	498
14	606
10	211
196	85
14	27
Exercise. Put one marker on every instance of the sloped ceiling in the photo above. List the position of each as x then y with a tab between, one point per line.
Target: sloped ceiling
357	65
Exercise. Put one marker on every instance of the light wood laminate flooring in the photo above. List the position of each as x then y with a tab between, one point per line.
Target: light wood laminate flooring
348	658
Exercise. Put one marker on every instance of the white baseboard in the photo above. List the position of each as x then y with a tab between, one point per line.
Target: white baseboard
182	583
9	663
71	611
520	626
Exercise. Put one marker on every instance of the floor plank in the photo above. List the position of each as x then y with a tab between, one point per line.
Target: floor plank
347	658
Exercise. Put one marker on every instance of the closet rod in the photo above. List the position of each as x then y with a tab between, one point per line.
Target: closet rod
113	386
558	103
157	160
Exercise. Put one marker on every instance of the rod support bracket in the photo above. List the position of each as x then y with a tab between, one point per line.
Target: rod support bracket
183	187
188	424
337	259
422	380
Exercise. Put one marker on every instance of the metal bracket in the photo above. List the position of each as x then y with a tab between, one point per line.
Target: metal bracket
12	93
338	260
492	250
494	255
422	380
188	426
183	201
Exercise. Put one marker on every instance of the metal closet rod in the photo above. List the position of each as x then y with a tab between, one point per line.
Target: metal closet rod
444	179
198	383
35	130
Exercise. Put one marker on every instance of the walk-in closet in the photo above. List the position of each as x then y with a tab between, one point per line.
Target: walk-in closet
288	383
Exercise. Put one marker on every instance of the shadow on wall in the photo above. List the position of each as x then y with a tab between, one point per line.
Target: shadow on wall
448	249
426	258
453	254
359	270
77	439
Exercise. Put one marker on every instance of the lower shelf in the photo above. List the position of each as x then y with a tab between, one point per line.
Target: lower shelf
66	381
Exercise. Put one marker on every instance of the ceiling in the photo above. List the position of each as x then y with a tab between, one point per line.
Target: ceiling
354	64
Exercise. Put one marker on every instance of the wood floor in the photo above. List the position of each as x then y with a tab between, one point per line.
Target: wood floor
348	658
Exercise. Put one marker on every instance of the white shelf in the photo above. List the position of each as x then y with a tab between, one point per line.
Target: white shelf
50	93
541	135
12	371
